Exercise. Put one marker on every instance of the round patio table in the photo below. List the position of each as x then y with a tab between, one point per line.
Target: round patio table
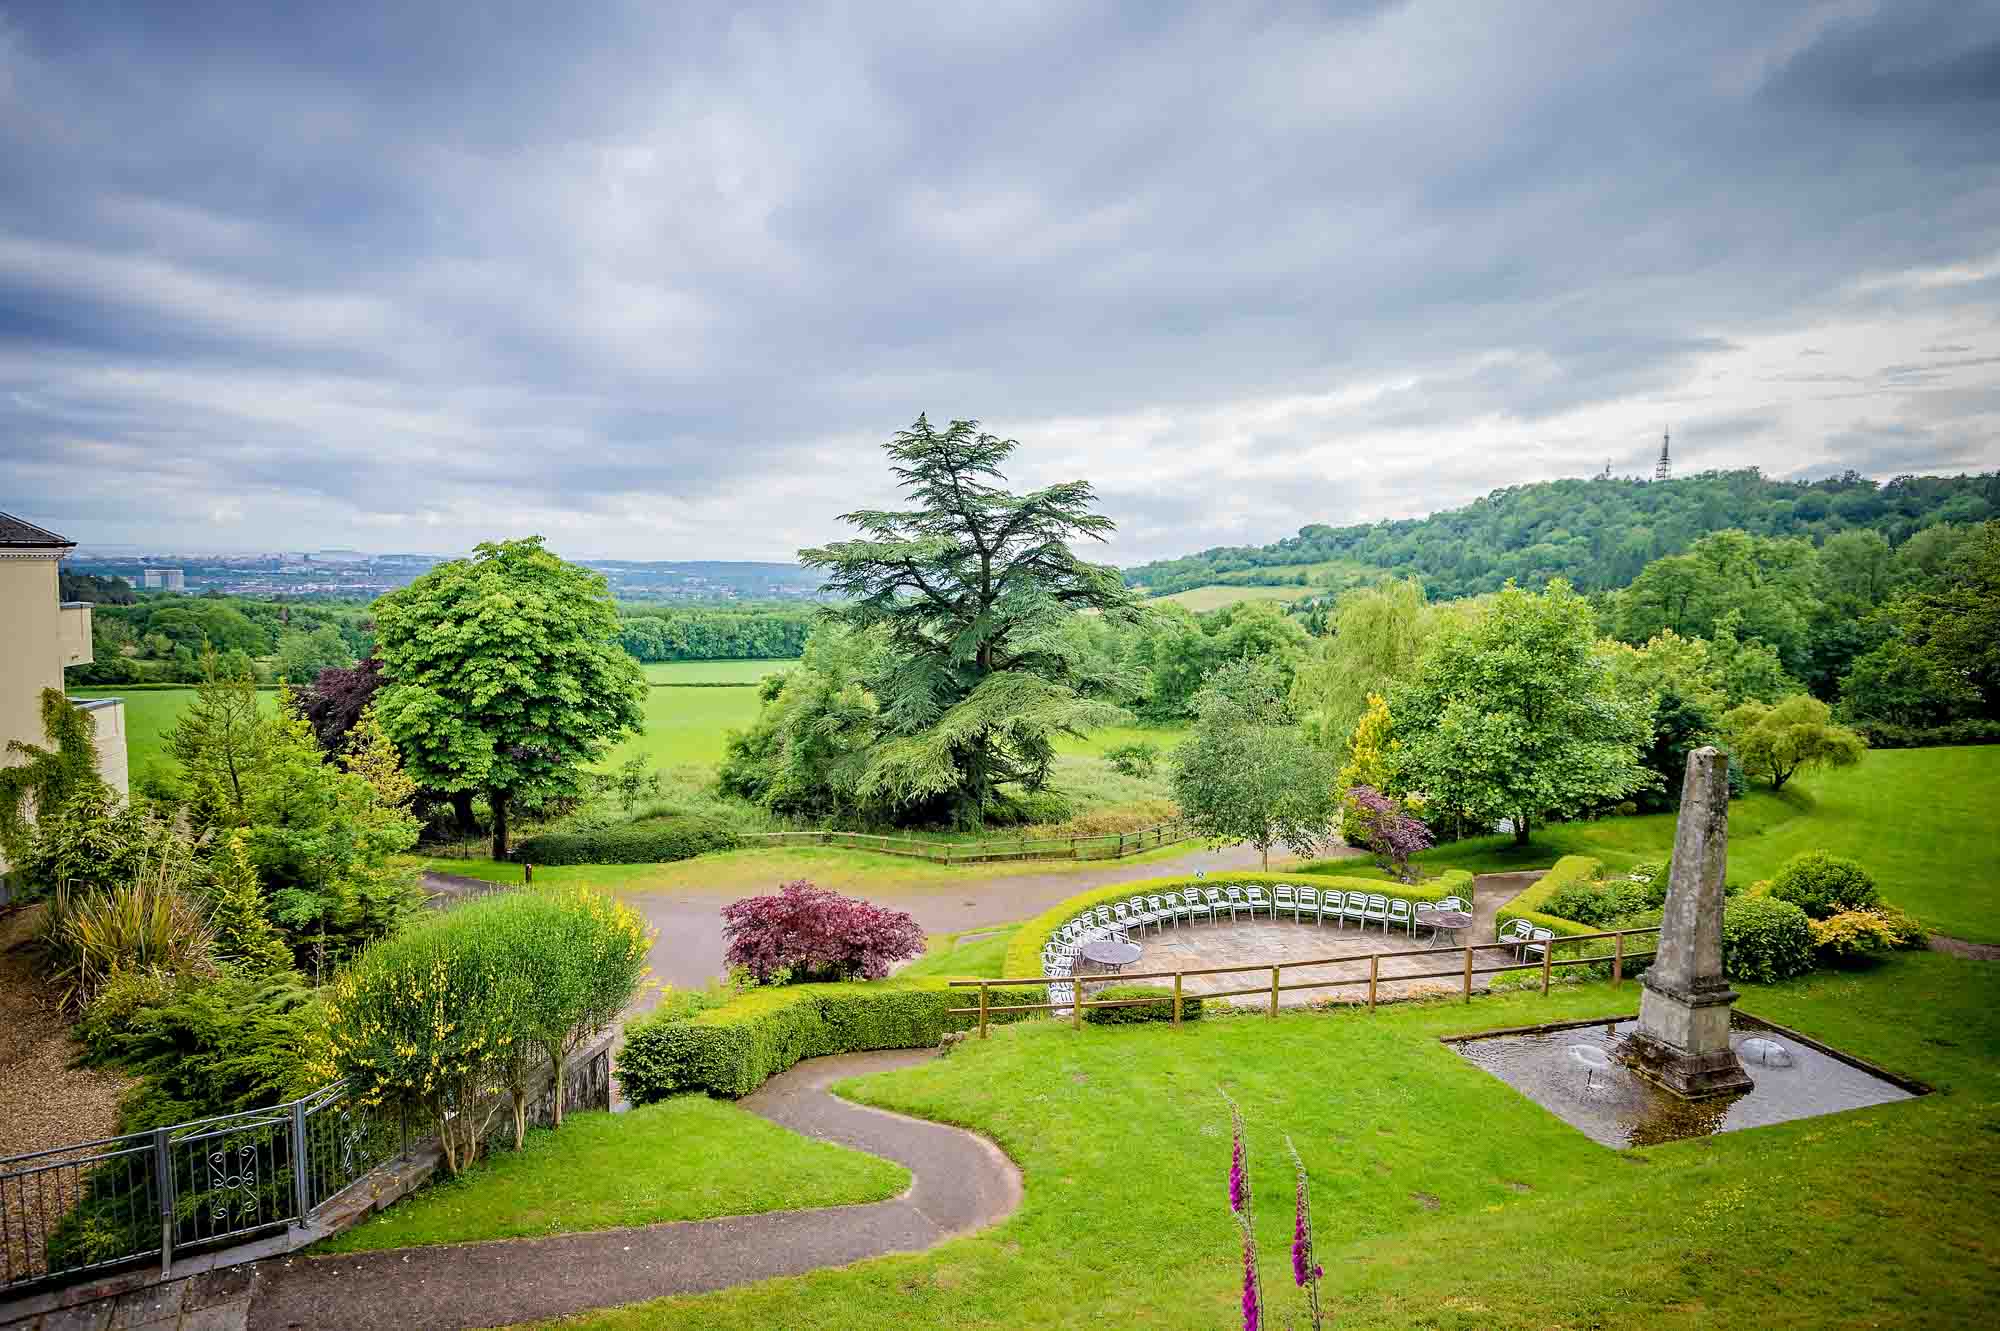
1109	953
1444	922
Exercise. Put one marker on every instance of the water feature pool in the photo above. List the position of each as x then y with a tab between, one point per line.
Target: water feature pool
1579	1073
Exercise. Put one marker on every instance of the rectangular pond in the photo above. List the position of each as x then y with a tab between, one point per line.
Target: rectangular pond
1577	1072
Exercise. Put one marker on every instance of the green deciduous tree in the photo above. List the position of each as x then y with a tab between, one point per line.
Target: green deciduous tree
1517	715
1378	633
505	676
301	656
1779	740
971	589
1247	772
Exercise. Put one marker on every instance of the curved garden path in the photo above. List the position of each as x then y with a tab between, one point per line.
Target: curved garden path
960	1183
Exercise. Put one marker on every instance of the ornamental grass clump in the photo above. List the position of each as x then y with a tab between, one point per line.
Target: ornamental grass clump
459	1013
802	934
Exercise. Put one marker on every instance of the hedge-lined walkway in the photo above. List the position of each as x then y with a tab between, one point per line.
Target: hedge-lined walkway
961	1182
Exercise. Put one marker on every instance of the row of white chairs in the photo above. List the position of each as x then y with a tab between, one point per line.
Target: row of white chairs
1121	919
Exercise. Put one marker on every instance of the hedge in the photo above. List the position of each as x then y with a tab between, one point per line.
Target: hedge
648	841
1568	872
1162	1009
733	1049
1024	953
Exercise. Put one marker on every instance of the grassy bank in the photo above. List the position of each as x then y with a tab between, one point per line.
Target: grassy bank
1921	820
1442	1198
656	1163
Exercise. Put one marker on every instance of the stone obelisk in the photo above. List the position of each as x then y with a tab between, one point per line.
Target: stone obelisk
1683	1037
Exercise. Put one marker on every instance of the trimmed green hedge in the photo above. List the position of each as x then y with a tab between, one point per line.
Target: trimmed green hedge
733	1049
647	841
1161	1010
1569	871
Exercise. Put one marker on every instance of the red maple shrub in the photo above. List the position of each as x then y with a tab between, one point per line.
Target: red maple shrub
802	933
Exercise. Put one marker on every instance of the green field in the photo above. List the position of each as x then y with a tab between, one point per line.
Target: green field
711	672
149	714
1214	597
656	1163
1441	1197
1921	820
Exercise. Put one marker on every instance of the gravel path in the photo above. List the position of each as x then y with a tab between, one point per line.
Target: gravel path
960	1183
44	1102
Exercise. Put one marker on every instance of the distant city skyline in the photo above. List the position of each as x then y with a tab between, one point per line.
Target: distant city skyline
656	282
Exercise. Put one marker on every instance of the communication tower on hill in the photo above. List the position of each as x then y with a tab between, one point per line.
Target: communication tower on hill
1664	468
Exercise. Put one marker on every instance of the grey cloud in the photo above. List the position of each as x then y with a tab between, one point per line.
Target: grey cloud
530	264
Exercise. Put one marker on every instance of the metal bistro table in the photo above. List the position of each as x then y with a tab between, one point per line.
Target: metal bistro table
1444	922
1109	953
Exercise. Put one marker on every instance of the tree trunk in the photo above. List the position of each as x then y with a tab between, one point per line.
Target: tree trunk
1265	851
498	800
1520	829
461	811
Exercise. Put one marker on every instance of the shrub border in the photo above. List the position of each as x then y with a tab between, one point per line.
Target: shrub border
1568	871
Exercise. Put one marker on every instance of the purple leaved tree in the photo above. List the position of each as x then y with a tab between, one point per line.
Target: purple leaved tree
806	933
1388	830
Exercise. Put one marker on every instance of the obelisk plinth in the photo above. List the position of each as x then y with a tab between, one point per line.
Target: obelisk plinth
1683	1037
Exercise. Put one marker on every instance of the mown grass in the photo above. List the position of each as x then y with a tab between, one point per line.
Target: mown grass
1923	821
973	953
1441	1198
149	714
713	672
687	727
688	1158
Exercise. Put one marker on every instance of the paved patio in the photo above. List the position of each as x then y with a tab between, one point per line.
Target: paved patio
1243	943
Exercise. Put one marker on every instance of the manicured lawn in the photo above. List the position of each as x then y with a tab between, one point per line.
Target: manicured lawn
1923	821
149	714
1098	742
975	954
668	1161
712	672
851	871
687	727
1441	1198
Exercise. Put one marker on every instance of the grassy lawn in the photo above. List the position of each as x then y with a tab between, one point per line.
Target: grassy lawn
974	954
1921	820
1441	1198
687	727
603	1170
1098	742
712	672
735	871
149	714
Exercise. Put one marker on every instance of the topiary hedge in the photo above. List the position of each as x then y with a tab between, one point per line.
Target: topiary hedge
1160	1010
647	841
1764	939
1024	953
733	1049
1824	885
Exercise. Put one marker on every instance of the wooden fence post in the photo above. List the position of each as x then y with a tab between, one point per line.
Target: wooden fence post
1548	960
1177	1000
1076	1003
1468	972
982	1011
1374	968
1274	990
1618	959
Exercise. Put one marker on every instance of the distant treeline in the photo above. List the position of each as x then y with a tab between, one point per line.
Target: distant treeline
159	639
654	632
1598	533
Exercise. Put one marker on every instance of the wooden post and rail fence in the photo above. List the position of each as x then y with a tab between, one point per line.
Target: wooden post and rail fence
1548	962
1100	846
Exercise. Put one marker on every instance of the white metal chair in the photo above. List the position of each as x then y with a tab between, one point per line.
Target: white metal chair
1257	899
1538	944
1234	897
1399	914
1517	932
1307	902
1161	913
1453	903
1285	900
1199	909
1356	909
1378	910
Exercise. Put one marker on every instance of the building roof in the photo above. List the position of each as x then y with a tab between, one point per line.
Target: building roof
15	533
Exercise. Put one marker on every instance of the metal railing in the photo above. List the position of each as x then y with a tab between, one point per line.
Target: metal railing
1097	846
70	1211
1079	1000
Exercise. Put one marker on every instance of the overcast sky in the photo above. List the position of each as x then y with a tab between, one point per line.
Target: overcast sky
657	280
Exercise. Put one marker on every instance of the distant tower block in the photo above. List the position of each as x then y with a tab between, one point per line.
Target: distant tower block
1664	468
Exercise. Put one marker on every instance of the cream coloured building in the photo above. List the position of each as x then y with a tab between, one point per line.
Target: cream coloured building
39	636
